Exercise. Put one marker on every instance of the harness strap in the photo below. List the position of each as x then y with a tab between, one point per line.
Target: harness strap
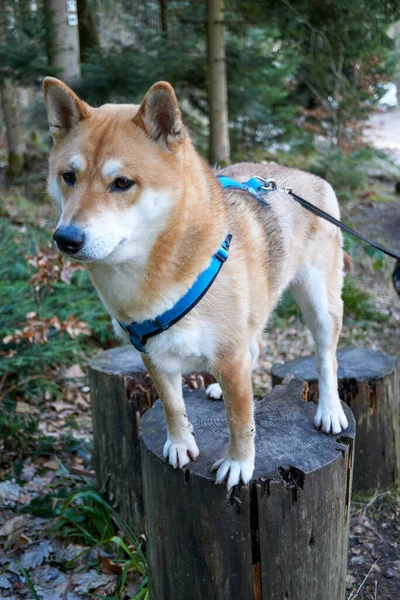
139	333
253	186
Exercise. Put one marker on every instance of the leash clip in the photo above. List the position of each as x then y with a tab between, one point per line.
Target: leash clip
270	185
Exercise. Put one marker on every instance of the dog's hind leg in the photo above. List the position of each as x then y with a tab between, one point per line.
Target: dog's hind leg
180	447
317	290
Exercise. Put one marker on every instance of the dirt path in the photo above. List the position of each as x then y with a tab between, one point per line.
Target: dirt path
384	132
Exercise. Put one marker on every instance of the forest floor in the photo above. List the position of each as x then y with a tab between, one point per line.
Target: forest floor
44	553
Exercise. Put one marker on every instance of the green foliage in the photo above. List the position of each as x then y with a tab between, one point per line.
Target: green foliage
346	171
28	366
17	431
296	69
357	303
344	53
87	518
23	37
357	306
342	171
330	59
286	308
258	74
258	106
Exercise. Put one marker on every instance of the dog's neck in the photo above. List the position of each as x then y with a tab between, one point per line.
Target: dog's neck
135	290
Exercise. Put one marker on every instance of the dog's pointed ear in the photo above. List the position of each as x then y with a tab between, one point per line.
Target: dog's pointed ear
64	108
159	115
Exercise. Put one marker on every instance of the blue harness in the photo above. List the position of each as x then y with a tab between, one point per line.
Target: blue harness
139	333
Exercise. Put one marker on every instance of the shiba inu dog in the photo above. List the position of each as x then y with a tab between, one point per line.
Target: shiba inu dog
145	214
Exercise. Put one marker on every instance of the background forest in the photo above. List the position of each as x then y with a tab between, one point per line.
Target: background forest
303	82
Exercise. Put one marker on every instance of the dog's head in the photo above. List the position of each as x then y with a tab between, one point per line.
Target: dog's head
115	171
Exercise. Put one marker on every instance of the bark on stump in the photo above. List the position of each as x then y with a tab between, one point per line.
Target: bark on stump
282	537
369	384
121	391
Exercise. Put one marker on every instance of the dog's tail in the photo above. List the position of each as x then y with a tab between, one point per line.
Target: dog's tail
348	263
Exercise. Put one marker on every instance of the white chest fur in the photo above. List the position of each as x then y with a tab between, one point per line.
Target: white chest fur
187	346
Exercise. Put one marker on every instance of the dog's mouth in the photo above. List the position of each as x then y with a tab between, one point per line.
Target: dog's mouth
97	250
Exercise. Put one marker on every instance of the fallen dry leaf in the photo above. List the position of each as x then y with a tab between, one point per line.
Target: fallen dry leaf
4	582
28	472
86	582
51	465
16	542
9	492
13	525
108	566
73	372
36	554
24	408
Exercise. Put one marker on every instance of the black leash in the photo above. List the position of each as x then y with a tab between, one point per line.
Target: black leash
269	185
321	213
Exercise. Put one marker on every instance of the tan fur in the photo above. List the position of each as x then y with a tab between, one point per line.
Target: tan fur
272	248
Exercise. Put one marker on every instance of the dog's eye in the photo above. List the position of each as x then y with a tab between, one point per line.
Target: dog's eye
121	184
69	177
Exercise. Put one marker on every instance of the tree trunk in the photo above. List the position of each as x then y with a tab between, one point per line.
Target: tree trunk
64	53
218	94
164	16
88	33
9	105
282	536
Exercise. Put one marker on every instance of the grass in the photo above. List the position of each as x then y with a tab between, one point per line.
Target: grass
28	581
86	518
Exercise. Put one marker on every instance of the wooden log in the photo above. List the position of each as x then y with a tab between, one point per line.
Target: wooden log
369	384
121	391
282	537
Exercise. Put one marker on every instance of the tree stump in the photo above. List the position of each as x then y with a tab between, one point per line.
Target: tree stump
121	391
282	537
369	384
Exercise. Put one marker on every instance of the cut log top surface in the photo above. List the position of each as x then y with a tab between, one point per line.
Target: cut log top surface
353	363
286	442
124	360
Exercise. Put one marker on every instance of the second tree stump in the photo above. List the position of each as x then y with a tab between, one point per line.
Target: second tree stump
369	384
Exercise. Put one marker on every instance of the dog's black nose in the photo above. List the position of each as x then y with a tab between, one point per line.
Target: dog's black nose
69	239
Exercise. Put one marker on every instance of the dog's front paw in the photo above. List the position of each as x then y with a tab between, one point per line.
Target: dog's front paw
214	391
235	470
331	419
180	451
